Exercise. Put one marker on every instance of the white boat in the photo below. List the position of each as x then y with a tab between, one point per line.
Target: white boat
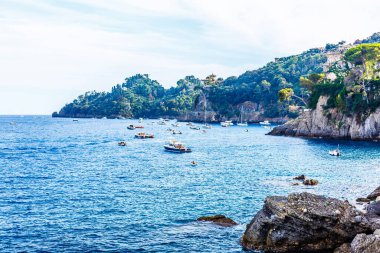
176	147
176	132
176	124
242	124
335	152
189	124
226	123
195	128
140	120
206	126
264	123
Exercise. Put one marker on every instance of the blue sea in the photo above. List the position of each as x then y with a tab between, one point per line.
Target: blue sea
67	185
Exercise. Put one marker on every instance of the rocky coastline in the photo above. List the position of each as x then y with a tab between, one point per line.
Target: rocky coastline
332	124
305	222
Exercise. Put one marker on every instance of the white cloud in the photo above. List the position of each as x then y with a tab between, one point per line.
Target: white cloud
62	50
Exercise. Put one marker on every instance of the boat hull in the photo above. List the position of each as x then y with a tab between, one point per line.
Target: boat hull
176	150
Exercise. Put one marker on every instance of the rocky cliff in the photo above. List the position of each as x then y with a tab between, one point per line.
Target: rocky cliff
332	123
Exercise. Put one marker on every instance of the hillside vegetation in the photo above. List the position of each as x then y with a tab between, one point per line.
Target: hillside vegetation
274	89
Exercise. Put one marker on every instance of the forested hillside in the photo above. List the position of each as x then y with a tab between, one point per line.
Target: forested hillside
140	96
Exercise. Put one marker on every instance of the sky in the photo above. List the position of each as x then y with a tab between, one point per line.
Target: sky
53	51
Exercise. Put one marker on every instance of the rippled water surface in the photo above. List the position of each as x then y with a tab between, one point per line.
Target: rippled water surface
67	185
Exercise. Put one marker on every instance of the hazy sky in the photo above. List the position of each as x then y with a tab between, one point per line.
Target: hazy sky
52	51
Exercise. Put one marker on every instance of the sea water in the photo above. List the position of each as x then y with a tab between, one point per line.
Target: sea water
67	186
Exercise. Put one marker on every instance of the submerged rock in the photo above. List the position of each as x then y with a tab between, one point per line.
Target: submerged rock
310	182
219	220
303	222
363	200
300	177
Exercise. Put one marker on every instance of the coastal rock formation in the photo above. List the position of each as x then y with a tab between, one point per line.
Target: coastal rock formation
331	124
303	222
219	220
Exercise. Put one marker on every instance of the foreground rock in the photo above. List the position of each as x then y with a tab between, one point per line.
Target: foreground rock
303	222
219	220
362	243
331	124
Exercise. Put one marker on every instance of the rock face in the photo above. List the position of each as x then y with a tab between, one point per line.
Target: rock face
219	220
303	222
365	244
331	124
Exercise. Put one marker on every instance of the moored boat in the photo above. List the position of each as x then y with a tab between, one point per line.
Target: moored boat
264	123
195	128
140	120
226	123
131	127
176	147
206	126
335	152
142	135
139	126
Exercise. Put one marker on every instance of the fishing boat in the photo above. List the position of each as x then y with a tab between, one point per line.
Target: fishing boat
335	152
142	135
195	128
264	123
226	123
176	147
131	127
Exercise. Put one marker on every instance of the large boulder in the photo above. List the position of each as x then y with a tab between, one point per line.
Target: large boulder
303	222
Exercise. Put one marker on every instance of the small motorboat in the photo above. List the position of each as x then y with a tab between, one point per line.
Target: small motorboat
226	123
122	143
264	123
140	120
139	126
176	147
189	124
176	124
144	136
176	132
242	124
131	127
193	163
206	126
75	120
195	128
335	152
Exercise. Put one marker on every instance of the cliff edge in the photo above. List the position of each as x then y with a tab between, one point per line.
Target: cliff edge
332	124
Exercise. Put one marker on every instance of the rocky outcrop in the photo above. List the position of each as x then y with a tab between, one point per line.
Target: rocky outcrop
331	124
373	195
219	219
303	222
